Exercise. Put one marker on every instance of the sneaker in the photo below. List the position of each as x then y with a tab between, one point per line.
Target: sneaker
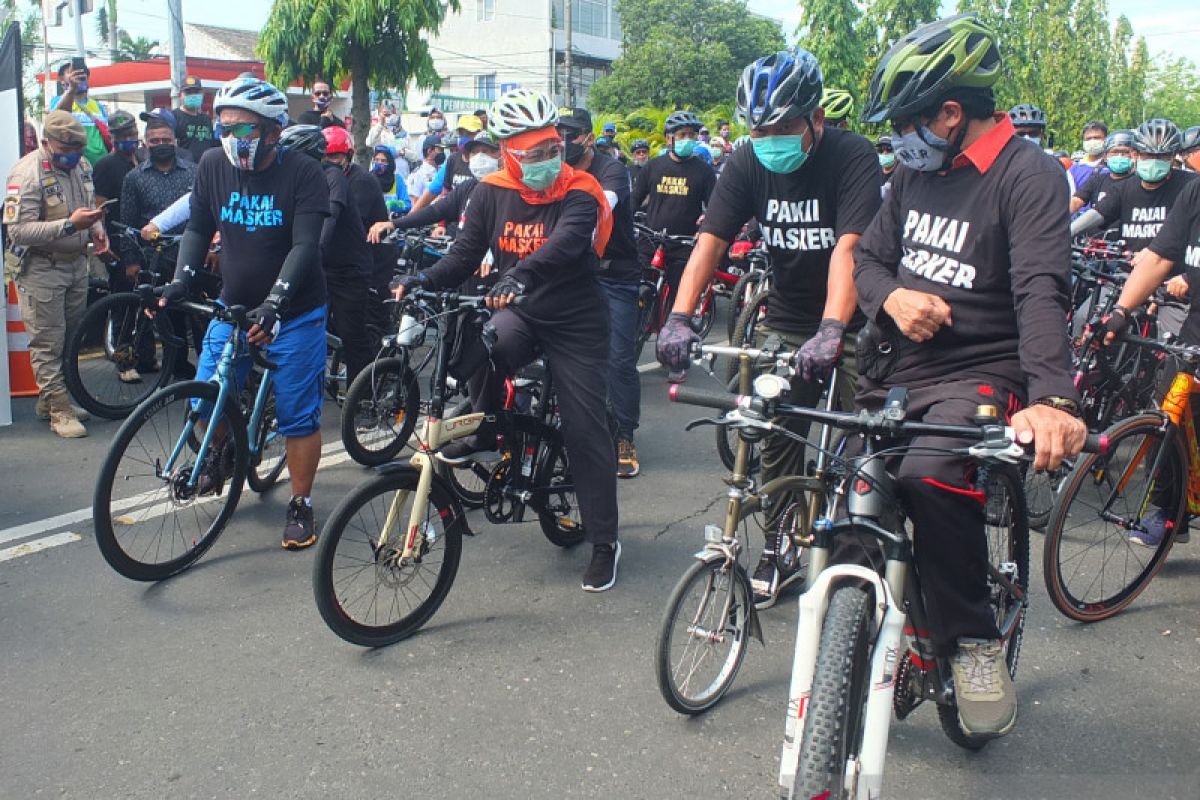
149	366
301	529
776	571
627	459
602	572
461	450
983	689
677	376
130	375
212	477
1154	528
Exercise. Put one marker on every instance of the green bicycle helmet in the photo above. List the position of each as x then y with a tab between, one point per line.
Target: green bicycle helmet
838	103
957	52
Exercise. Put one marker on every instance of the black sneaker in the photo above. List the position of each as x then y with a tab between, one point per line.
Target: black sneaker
777	569
301	529
627	459
602	572
461	450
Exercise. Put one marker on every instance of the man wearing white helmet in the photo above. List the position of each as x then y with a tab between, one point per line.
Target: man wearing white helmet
268	205
546	224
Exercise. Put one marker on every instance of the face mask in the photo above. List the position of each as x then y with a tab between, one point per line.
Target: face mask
161	153
482	164
463	141
1093	147
684	147
437	124
1120	165
921	149
193	102
573	152
66	161
780	154
321	103
541	175
440	158
392	122
242	153
1151	170
81	88
378	168
1035	139
887	160
128	146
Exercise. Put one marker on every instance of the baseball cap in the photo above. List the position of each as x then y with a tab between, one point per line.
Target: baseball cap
191	83
432	140
610	127
469	123
575	119
158	117
121	120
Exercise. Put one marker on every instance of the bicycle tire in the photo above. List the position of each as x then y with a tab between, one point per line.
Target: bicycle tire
89	369
702	323
743	291
342	526
709	577
645	323
164	500
833	724
1062	560
559	524
727	441
1040	490
744	331
260	477
384	393
1007	530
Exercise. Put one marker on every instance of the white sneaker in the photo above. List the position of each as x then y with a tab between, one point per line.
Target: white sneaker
983	689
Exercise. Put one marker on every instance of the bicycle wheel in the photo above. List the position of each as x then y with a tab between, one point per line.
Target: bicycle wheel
727	441
1040	490
380	412
745	330
703	636
559	517
114	335
1092	569
833	725
149	523
647	310
366	593
1007	530
743	292
267	466
705	314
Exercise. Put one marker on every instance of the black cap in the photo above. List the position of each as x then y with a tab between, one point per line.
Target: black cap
191	83
121	120
575	119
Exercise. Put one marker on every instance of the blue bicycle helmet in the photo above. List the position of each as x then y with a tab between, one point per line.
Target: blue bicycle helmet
779	87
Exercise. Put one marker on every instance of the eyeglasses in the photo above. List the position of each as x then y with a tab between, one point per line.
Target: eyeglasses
239	130
537	154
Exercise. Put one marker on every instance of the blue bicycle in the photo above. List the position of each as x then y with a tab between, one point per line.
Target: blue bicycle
174	472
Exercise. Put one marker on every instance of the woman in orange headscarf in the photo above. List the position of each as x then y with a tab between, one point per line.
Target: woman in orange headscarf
545	225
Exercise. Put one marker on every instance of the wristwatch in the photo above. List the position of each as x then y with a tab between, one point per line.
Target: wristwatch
68	228
1062	404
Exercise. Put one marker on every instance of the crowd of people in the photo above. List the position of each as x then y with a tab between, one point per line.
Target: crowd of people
935	256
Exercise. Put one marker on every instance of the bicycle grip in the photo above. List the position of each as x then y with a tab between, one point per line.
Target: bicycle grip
261	359
1096	443
700	397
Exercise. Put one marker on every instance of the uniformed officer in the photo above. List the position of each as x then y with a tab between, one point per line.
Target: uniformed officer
50	218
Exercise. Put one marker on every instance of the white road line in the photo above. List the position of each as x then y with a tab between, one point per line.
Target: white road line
26	548
650	367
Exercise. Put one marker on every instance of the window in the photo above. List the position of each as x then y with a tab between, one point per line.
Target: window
485	86
590	17
485	10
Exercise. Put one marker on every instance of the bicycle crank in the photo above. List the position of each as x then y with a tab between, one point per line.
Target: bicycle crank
498	505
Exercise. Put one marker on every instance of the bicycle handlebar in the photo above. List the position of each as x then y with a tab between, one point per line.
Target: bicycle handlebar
161	242
662	237
235	315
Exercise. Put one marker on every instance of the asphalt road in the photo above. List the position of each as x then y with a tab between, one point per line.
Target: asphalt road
224	682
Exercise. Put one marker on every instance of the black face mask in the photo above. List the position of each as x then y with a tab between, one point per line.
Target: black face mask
162	153
385	177
574	152
439	159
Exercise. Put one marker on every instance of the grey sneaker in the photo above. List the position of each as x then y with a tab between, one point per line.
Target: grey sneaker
130	375
983	689
301	529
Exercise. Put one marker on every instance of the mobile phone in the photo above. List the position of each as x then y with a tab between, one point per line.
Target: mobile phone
77	63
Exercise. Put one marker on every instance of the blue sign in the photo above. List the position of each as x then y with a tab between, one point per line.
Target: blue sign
505	88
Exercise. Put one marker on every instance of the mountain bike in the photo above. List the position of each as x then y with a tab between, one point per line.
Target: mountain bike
653	292
389	552
1092	569
174	472
755	279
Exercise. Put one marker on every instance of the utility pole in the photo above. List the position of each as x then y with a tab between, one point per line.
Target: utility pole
77	6
47	95
175	38
569	94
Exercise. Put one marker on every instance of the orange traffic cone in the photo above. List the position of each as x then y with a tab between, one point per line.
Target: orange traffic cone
20	371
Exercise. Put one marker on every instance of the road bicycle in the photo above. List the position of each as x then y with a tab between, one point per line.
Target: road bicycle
174	472
389	552
654	292
1093	570
755	279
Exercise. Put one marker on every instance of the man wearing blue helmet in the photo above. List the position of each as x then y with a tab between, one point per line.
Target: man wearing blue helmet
813	189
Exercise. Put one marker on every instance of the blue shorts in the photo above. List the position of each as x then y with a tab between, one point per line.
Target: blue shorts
298	352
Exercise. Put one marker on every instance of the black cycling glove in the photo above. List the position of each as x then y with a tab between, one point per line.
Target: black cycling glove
173	292
409	282
505	286
266	317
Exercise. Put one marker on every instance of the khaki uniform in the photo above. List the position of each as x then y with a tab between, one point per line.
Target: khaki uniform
48	263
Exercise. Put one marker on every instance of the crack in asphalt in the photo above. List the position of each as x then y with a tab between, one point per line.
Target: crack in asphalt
693	515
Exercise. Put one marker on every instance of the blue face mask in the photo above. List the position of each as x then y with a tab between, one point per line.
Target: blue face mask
81	88
193	101
684	147
542	175
920	149
463	141
1120	165
128	146
1153	170
780	154
66	161
887	160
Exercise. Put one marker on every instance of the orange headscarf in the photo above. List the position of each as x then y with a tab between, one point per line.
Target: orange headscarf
569	179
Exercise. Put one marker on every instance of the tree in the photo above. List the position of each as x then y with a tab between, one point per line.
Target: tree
883	23
683	52
139	49
33	92
831	31
381	43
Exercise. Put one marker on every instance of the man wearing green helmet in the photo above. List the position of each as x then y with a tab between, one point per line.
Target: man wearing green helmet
837	105
964	273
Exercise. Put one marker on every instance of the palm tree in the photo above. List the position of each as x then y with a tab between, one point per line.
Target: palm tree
138	49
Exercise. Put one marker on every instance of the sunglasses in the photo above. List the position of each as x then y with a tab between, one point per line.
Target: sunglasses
239	130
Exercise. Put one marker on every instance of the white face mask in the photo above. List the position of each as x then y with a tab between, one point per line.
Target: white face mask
241	152
482	164
1093	147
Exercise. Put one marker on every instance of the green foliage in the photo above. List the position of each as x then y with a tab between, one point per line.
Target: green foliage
683	52
647	123
381	43
832	31
139	49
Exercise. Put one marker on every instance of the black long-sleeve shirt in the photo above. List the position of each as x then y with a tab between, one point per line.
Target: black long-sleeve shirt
995	245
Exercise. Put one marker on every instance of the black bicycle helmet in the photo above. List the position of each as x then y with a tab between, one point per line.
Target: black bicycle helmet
957	52
1156	137
681	119
1027	115
306	139
778	87
1191	139
883	141
639	144
1118	139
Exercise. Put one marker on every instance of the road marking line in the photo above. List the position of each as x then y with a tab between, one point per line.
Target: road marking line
650	367
37	545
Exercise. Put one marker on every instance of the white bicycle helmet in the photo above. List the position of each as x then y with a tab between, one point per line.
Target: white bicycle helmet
521	110
254	95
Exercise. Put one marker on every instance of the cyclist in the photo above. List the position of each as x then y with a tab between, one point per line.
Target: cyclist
1118	165
887	156
1189	149
1094	134
676	187
837	104
545	223
619	279
268	206
1029	121
813	190
641	156
965	270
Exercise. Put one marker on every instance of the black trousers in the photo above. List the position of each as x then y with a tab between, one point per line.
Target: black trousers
577	354
348	303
